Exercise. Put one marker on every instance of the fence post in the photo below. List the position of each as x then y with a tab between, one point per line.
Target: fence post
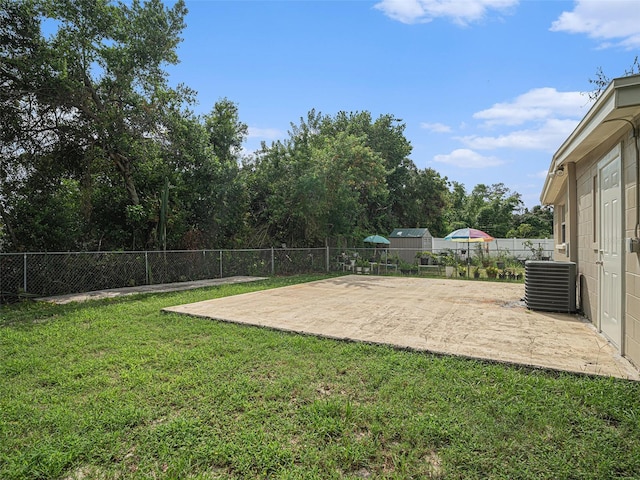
327	250
220	261
24	273
273	262
146	266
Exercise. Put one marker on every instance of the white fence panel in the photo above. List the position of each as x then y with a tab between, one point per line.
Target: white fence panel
512	246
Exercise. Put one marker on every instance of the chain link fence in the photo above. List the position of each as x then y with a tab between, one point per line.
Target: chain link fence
45	274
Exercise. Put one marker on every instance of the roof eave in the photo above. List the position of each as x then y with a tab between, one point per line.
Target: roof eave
620	99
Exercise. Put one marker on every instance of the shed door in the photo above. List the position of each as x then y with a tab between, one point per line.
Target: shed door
611	247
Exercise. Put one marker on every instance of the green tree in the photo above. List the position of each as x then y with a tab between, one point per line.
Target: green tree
455	214
488	208
534	223
226	131
421	200
348	164
205	156
94	97
385	137
21	52
348	177
109	62
494	207
49	216
325	191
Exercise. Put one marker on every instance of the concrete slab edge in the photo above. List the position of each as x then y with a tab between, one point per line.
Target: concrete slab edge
398	347
142	289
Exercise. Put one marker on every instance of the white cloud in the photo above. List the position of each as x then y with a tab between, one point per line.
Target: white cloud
540	174
465	158
617	20
548	117
424	11
548	137
264	133
538	120
405	11
436	127
536	104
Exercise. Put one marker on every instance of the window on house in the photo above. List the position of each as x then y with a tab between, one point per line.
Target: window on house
563	225
594	209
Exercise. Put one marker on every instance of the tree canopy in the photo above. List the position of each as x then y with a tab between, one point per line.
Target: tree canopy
98	151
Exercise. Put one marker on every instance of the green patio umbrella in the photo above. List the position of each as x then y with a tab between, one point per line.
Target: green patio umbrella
377	239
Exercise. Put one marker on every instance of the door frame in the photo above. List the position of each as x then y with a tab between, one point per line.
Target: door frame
604	161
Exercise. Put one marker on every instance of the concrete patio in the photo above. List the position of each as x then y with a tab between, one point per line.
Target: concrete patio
484	320
155	288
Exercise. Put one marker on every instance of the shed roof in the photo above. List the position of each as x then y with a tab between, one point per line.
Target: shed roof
409	233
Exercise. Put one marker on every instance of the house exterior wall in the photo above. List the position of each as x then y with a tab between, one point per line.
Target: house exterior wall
586	237
610	128
631	268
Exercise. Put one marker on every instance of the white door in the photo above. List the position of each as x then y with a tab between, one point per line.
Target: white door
611	247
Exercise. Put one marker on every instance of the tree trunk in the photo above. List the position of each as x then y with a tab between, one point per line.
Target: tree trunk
124	166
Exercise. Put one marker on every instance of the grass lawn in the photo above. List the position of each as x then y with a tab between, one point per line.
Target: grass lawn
116	389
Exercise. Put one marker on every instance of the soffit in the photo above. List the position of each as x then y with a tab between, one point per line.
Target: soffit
604	121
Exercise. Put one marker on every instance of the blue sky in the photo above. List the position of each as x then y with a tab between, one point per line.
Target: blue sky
488	89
